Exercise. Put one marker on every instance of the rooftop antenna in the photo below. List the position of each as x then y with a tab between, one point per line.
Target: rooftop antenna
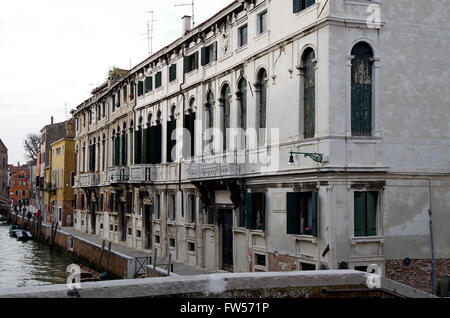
188	4
150	33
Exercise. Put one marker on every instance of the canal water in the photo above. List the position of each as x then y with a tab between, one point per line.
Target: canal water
26	264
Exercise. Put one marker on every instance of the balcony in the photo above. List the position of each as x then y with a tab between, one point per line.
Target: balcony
144	173
87	180
118	174
212	170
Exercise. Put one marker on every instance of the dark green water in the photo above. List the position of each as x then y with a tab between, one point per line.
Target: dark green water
26	264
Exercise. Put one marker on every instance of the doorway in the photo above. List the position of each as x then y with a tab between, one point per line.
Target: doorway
148	226
226	227
93	217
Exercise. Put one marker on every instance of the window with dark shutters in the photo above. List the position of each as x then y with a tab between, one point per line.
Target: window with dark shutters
299	5
138	147
365	206
140	88
255	211
189	124
301	214
172	72
148	84
191	62
158	80
171	141
309	94
209	54
361	88
144	152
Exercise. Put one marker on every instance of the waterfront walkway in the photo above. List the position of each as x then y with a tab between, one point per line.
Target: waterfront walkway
180	269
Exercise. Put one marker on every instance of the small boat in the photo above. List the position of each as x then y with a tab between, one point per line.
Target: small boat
86	274
21	235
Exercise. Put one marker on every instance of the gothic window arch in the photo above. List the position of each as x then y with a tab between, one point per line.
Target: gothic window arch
361	89
226	114
242	98
261	92
309	98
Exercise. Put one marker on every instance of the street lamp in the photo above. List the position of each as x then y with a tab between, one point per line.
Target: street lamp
317	157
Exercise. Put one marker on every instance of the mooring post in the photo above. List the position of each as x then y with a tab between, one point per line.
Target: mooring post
169	264
101	255
154	262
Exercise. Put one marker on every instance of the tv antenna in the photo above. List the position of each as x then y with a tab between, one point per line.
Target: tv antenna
150	33
188	4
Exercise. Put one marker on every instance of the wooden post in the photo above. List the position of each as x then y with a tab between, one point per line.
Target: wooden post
168	265
107	258
101	256
54	235
154	261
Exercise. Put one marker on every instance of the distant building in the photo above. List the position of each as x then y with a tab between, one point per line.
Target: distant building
4	191
19	185
62	167
49	134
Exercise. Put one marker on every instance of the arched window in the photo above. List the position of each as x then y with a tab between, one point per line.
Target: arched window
361	81
309	98
189	125
209	124
171	139
262	103
242	95
226	113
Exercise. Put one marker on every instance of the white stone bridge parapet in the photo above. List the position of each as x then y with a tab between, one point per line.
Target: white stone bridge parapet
268	284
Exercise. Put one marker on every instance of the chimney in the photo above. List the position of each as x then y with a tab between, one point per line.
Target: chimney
186	24
51	120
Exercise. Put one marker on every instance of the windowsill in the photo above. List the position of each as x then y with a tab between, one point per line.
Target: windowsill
192	73
175	81
209	65
367	239
305	238
158	89
190	226
362	2
207	227
258	233
239	230
242	48
172	223
261	35
157	221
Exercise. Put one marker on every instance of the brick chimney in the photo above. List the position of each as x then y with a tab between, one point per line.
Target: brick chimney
51	120
187	26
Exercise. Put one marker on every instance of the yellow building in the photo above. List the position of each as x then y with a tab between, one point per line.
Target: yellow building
62	168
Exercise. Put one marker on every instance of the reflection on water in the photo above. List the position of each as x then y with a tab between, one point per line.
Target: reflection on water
25	264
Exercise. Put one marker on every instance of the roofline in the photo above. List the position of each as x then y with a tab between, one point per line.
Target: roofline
204	25
62	139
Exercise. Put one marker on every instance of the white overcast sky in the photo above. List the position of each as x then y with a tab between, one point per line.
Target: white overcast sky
54	52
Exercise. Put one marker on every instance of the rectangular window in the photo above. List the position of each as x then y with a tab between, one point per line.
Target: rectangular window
140	88
138	233
243	36
157	239
255	211
260	259
118	97
209	54
113	103
171	242
172	72
300	5
302	213
157	206
365	213
191	62
191	246
307	267
171	206
104	109
148	84
124	94
158	79
191	208
262	22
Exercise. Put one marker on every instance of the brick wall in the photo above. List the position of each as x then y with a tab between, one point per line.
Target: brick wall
418	273
282	263
117	265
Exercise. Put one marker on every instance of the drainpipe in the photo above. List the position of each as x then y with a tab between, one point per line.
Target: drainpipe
430	212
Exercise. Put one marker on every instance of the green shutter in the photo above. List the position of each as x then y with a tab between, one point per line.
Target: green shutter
297	6
372	198
203	56
152	143
249	224
195	60
187	63
293	213
360	214
144	147
314	213
158	143
263	211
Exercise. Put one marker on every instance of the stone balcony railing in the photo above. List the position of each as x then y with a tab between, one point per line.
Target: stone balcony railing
212	170
118	174
88	180
143	173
